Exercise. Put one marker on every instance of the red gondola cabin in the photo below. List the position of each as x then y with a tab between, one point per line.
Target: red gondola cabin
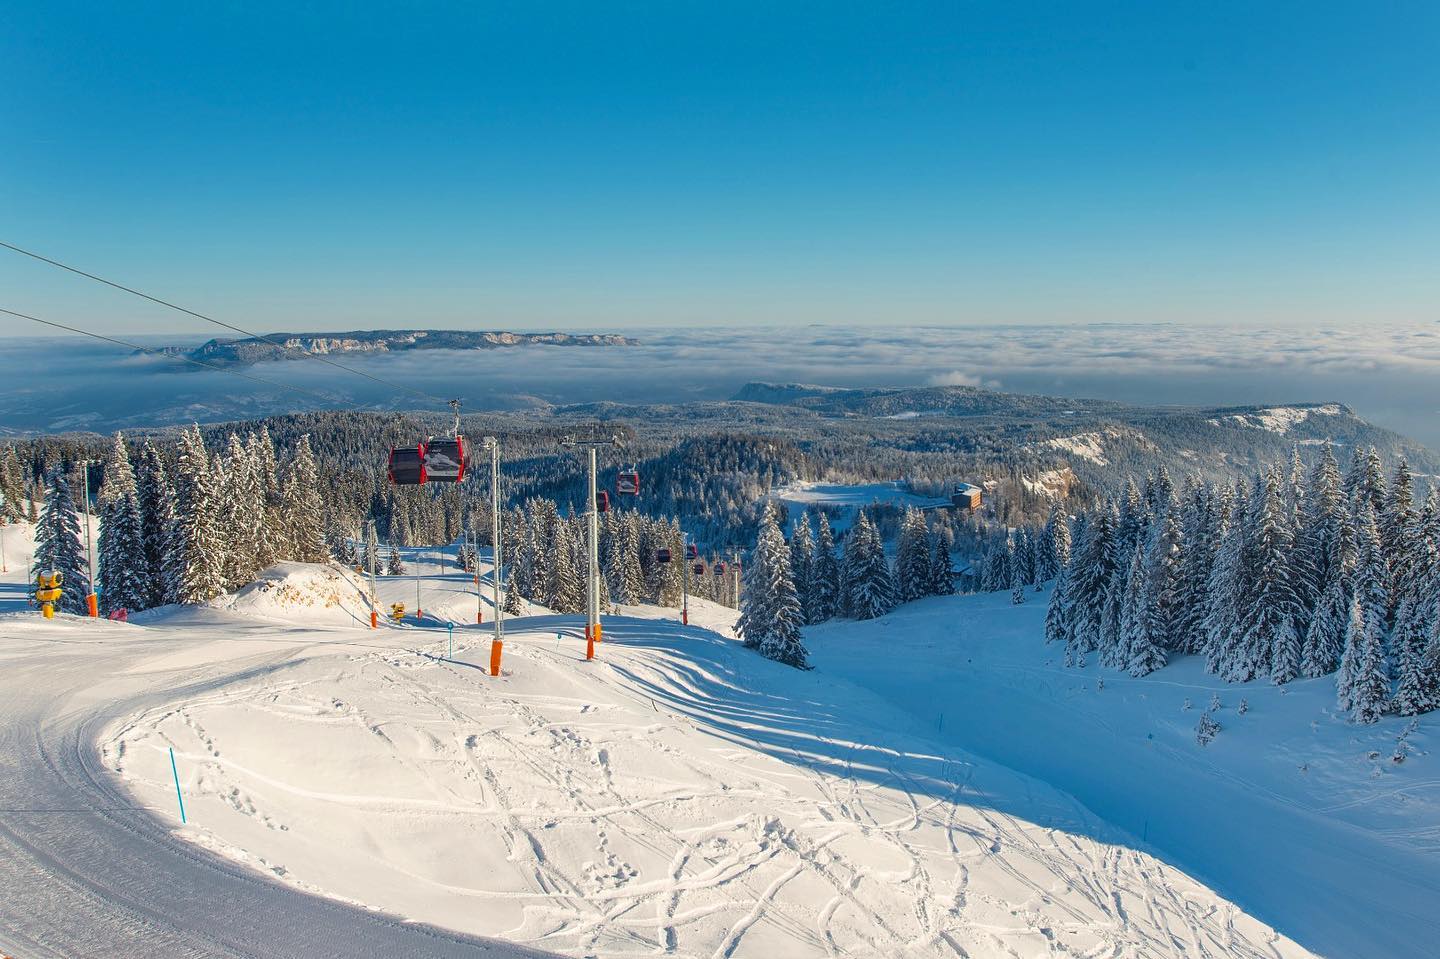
407	465
445	460
662	556
628	483
602	502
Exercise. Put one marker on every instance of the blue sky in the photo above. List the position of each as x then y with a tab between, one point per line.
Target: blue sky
329	166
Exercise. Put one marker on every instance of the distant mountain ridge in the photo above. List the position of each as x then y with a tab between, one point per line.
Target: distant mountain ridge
293	346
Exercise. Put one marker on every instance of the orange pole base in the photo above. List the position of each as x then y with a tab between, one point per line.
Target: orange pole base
374	619
495	647
684	617
479	616
599	633
92	605
589	643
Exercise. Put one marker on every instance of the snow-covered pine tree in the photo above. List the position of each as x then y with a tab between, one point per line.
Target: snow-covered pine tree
942	577
1017	592
1161	596
1139	653
631	573
770	616
1091	570
124	575
1370	687
870	589
157	520
1366	479
1358	670
1325	638
912	558
1057	613
1400	534
302	510
1199	519
395	564
59	546
802	559
1267	640
12	487
1321	518
1416	690
261	450
241	512
565	591
824	598
195	565
1054	554
1226	595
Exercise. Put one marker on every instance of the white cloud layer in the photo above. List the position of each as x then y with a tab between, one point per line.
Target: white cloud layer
1391	374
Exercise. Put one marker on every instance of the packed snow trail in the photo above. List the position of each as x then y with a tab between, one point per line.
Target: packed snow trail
87	871
680	796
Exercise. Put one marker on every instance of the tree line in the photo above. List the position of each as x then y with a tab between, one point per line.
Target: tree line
1289	574
804	582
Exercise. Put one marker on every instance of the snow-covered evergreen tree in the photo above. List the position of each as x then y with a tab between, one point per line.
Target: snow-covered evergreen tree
1227	595
802	559
59	545
1370	685
770	613
124	574
1054	552
912	558
301	510
1091	570
1139	653
869	587
1325	637
1057	614
1266	640
195	564
1416	690
1161	596
942	577
395	564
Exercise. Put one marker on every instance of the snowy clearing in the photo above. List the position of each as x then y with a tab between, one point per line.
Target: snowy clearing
1299	817
850	498
681	795
1278	419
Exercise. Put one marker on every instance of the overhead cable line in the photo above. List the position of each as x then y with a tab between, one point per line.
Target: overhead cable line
328	400
221	323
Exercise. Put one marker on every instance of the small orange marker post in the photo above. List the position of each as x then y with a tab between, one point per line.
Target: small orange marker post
589	643
495	648
374	619
92	605
599	633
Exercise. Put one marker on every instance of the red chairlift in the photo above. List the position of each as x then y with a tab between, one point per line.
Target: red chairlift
628	482
692	551
719	569
698	569
662	556
445	460
602	501
407	465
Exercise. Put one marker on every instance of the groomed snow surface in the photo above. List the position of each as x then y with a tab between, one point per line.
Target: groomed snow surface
680	795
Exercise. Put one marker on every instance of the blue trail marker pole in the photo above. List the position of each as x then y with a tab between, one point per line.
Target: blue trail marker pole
178	798
451	628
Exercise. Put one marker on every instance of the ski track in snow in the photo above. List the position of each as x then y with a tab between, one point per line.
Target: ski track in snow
671	799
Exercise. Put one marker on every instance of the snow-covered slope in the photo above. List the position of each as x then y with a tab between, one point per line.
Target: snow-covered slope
678	796
1305	821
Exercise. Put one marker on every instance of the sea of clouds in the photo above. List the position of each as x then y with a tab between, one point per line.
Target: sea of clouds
1387	375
